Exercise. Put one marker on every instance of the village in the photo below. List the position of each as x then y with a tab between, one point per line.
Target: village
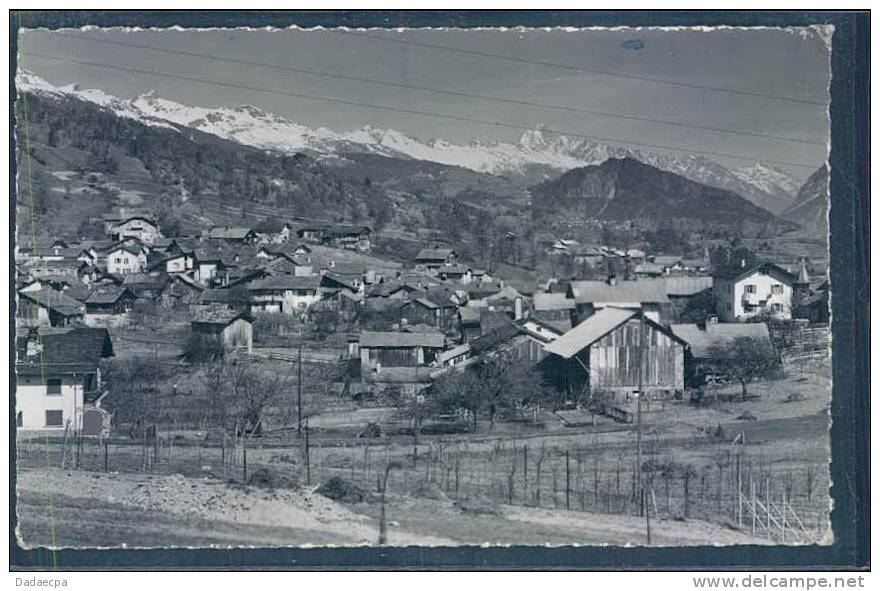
294	353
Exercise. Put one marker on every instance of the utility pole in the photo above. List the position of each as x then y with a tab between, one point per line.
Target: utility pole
299	405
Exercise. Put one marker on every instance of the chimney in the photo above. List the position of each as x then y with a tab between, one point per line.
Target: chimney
518	309
742	263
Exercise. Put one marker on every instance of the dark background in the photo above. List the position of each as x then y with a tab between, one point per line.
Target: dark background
850	280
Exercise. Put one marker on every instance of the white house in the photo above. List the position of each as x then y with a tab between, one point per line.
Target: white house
287	294
57	376
125	259
748	291
142	228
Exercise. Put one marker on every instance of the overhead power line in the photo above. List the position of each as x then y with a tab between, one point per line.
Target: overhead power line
420	88
414	111
583	70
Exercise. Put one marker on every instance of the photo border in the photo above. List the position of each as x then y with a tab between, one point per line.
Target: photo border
850	280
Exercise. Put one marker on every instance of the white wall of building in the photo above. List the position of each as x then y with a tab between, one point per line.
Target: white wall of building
32	401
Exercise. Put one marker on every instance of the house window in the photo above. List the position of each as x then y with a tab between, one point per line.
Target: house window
19	419
118	260
54	418
776	289
776	307
751	288
53	387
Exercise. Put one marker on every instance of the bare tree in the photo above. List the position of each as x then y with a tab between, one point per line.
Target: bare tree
744	359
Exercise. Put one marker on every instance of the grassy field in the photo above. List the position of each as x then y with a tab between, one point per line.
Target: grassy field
541	485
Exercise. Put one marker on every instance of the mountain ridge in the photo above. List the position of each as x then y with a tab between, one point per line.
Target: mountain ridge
536	154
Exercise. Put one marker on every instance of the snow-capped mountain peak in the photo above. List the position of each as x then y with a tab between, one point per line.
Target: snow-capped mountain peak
535	150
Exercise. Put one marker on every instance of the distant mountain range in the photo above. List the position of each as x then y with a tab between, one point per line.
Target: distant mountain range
810	207
537	155
627	189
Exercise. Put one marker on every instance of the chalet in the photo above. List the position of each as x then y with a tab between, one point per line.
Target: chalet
469	323
704	340
563	246
312	233
381	351
207	265
349	237
553	307
108	304
233	330
58	376
126	259
424	310
271	231
591	256
286	294
602	353
284	265
141	227
459	273
181	262
331	283
182	289
643	270
45	306
432	259
231	235
743	293
393	290
646	294
146	286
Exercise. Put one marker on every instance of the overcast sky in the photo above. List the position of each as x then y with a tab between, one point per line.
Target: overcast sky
770	62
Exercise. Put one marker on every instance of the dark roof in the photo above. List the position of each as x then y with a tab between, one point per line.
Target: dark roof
735	273
77	350
285	282
370	339
229	233
219	315
434	254
495	337
270	226
54	300
718	334
216	296
107	294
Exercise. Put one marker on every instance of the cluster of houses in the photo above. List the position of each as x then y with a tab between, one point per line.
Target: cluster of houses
416	322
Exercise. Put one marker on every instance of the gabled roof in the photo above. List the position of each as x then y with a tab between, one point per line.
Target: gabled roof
371	339
738	273
687	286
552	301
229	233
650	268
589	331
107	294
76	350
54	300
126	248
667	260
434	254
718	334
623	292
219	315
286	282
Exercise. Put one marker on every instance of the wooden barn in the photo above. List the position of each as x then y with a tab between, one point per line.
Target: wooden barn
601	354
235	330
